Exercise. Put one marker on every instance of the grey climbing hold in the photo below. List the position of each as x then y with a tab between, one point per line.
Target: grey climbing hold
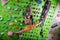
9	7
1	18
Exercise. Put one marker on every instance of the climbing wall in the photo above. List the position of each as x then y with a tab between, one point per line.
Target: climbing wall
49	18
14	12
